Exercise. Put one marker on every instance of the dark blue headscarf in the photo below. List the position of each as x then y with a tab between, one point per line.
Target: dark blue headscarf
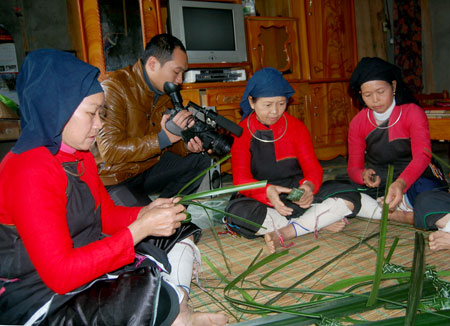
51	84
267	82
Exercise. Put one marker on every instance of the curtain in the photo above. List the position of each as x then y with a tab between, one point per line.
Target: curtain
408	42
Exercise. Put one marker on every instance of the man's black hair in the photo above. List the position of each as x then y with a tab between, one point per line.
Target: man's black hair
161	47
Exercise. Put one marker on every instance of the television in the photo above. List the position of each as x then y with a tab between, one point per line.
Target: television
212	32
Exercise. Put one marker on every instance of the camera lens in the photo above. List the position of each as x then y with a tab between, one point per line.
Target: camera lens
222	144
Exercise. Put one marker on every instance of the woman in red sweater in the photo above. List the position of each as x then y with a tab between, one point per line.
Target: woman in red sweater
68	255
390	129
277	147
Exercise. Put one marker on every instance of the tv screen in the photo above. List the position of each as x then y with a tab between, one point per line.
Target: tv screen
212	32
198	32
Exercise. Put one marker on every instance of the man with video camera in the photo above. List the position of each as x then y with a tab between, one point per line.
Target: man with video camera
136	154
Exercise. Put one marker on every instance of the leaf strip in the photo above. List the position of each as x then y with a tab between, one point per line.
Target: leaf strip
202	174
417	276
319	269
223	190
381	241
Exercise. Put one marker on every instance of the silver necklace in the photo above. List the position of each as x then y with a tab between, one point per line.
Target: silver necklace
265	140
387	127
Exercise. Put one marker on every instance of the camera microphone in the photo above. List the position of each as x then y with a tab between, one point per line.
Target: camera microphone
219	120
227	124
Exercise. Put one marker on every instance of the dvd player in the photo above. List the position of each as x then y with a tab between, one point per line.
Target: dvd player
214	75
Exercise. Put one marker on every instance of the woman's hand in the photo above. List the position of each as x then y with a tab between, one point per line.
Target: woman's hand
158	202
395	193
160	218
370	178
273	195
308	196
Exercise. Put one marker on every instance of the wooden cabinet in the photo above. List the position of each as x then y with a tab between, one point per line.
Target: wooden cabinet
192	95
331	112
329	28
272	42
331	38
226	99
300	103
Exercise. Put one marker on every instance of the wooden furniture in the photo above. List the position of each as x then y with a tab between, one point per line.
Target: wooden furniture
272	42
439	128
439	122
9	129
429	100
9	124
437	108
311	42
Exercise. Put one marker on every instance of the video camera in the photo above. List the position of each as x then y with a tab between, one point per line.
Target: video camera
206	123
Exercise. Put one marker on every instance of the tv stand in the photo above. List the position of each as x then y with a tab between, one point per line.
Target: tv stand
207	75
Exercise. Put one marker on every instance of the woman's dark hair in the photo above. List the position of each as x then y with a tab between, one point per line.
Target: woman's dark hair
377	69
161	47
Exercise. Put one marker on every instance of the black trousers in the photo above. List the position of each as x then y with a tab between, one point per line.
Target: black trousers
167	177
430	207
139	296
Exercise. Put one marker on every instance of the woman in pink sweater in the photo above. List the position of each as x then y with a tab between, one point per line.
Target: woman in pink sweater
390	129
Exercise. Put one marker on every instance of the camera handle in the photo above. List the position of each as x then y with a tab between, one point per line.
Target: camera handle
171	126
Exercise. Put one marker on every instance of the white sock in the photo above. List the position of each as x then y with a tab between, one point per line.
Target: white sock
446	228
182	257
273	220
370	208
318	216
404	205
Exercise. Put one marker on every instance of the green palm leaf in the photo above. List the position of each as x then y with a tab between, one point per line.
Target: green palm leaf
417	276
382	240
223	190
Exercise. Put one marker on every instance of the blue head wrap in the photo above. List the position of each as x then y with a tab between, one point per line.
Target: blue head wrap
51	84
267	82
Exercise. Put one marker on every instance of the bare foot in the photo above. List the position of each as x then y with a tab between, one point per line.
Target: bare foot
335	227
402	217
186	317
274	242
439	240
208	319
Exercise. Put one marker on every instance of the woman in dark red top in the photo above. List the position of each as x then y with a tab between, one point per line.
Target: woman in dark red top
68	255
390	129
277	147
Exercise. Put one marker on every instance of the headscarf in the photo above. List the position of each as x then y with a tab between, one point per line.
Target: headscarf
50	85
369	69
267	82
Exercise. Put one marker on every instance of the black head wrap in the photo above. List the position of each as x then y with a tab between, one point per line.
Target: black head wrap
51	84
267	82
369	69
